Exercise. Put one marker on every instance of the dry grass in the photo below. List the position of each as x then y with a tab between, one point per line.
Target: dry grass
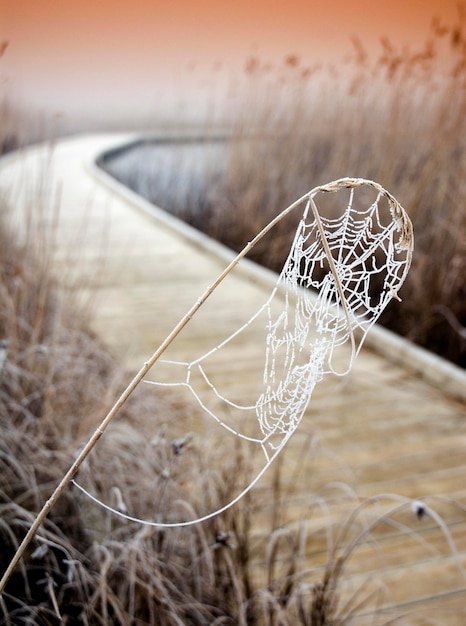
399	119
85	567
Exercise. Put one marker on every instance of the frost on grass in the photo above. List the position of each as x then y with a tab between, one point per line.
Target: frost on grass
349	257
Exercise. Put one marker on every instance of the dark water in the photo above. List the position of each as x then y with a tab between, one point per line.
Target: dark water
169	173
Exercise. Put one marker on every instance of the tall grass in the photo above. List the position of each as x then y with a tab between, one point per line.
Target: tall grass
398	118
255	564
85	567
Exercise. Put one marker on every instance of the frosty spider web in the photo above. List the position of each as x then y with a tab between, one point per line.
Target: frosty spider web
343	268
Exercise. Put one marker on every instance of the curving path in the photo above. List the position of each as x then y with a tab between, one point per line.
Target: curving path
383	429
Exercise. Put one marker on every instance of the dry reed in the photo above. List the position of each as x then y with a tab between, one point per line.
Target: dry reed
398	118
86	568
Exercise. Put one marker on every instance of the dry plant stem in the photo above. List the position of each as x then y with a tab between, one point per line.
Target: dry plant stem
333	269
129	390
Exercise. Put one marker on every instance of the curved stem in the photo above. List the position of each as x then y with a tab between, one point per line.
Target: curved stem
129	390
405	242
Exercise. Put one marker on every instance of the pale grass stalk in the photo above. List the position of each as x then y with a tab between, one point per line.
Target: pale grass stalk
138	378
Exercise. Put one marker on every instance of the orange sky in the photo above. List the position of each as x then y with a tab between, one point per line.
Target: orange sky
121	55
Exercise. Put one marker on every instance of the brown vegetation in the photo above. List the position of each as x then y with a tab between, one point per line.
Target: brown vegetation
399	119
56	380
86	567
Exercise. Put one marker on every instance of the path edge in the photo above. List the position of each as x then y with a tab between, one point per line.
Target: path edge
439	372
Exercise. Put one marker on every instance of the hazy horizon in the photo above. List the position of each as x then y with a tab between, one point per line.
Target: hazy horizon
108	65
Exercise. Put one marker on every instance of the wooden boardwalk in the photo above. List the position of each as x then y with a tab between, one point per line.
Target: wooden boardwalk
381	430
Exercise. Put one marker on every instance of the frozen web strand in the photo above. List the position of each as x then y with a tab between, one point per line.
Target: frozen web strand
348	259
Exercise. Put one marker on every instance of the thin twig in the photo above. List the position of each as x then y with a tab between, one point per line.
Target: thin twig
404	226
129	390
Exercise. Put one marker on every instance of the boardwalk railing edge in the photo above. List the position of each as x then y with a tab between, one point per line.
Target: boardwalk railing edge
440	373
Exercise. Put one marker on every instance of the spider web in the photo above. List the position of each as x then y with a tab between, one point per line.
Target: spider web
348	259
